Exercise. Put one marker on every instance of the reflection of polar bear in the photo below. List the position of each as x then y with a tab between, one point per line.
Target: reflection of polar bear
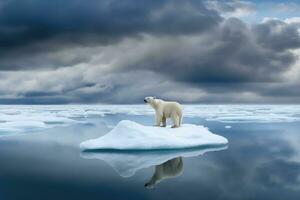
169	169
164	110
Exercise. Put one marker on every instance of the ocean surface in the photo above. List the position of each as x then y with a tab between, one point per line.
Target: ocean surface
41	159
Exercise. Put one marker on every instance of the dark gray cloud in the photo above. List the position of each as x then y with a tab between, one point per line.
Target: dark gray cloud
118	52
277	35
232	52
35	26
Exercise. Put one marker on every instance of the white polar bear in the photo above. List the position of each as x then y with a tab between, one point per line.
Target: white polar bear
165	109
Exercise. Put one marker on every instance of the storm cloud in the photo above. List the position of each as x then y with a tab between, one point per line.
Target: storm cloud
40	25
232	52
118	52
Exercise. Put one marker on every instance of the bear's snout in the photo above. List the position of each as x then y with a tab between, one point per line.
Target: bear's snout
145	100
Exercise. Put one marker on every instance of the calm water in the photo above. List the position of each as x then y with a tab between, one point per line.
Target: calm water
262	161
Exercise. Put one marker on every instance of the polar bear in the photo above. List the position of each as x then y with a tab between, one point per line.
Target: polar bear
165	109
170	169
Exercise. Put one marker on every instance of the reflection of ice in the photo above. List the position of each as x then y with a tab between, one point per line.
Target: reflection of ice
129	135
127	163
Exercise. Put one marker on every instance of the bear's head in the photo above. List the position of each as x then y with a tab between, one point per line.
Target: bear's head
150	100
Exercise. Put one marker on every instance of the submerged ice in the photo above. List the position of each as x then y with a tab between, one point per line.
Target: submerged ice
129	135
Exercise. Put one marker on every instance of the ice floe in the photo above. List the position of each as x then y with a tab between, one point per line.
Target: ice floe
28	118
47	116
129	135
126	164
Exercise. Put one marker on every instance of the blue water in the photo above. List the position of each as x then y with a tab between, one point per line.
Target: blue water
262	161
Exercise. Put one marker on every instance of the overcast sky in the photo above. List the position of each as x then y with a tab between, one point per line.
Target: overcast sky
109	51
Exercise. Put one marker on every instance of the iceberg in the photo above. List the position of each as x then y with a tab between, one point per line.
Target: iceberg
129	135
127	163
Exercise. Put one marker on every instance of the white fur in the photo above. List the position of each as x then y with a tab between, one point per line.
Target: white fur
165	109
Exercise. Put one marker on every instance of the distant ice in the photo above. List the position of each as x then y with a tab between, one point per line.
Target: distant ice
48	116
27	118
129	135
245	113
126	164
227	126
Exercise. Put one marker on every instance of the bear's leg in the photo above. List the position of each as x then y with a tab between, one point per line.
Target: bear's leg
175	119
158	120
164	122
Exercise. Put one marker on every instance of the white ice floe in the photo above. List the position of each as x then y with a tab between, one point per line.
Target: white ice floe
28	118
126	164
129	135
227	126
245	113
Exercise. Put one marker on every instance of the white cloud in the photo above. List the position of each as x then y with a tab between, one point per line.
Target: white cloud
292	20
286	7
234	8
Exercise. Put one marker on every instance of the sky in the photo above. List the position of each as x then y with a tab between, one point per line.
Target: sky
118	52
